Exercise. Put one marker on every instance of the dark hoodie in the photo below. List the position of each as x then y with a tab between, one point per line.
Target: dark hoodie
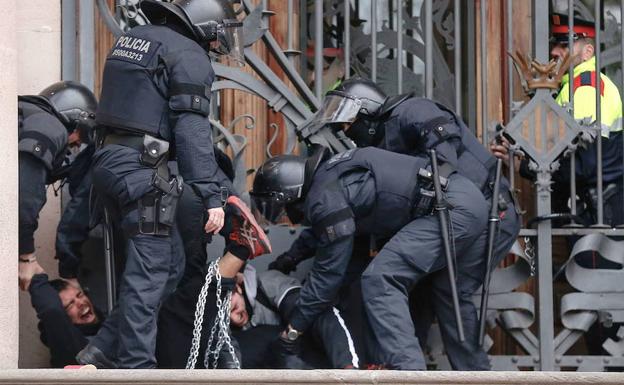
58	333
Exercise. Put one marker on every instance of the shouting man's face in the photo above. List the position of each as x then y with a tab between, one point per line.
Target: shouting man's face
77	306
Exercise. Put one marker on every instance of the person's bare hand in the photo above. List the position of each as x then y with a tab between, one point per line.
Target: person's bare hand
216	218
26	271
499	147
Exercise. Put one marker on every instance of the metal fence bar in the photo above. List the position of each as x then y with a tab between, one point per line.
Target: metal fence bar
457	57
510	95
510	46
510	88
303	38
347	38
546	333
571	107
428	49
471	102
484	99
600	211
318	49
374	40
622	72
289	35
399	46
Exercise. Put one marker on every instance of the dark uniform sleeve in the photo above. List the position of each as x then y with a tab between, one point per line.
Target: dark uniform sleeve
73	229
304	246
422	126
334	228
191	78
323	282
32	197
57	332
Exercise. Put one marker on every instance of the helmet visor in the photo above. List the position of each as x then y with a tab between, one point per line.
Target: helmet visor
338	109
231	41
269	206
335	109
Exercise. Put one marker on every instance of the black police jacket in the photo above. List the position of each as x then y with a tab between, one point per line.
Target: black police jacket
157	81
417	125
73	228
386	192
42	145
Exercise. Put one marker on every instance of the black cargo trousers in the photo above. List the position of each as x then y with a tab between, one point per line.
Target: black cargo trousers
414	253
154	262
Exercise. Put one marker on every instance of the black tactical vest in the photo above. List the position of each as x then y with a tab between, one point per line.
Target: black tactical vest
475	162
40	133
396	180
416	125
149	72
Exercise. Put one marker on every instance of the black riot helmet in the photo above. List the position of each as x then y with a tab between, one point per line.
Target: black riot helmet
278	182
356	101
74	104
281	183
207	20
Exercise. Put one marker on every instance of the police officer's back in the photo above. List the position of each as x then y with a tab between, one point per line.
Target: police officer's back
61	116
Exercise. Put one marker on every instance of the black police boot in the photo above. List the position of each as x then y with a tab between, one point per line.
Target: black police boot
225	360
288	354
94	356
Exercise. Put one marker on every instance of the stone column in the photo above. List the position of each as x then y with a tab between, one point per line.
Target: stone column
38	65
8	188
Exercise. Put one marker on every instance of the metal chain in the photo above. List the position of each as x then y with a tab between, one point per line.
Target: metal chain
222	323
199	316
221	326
529	251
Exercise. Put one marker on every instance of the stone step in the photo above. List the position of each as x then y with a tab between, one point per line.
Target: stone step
255	377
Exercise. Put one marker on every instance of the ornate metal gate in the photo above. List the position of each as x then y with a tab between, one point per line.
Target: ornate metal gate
431	48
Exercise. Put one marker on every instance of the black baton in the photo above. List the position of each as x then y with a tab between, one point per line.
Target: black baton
493	222
109	255
442	208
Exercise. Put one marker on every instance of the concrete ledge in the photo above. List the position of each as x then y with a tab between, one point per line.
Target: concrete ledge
229	377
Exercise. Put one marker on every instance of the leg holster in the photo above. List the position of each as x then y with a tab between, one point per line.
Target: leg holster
157	209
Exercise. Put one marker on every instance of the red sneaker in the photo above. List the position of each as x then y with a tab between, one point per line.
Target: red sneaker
245	230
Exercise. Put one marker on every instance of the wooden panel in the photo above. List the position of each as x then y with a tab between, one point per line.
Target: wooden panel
236	103
279	29
104	40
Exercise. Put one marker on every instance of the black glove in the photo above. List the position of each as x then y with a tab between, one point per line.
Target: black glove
284	263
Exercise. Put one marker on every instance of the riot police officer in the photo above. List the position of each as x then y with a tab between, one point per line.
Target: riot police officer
411	125
59	118
383	194
154	108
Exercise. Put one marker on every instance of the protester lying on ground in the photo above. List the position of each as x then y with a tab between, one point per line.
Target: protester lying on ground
67	317
261	303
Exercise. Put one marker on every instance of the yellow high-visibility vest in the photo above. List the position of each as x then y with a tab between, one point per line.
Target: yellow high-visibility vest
585	97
